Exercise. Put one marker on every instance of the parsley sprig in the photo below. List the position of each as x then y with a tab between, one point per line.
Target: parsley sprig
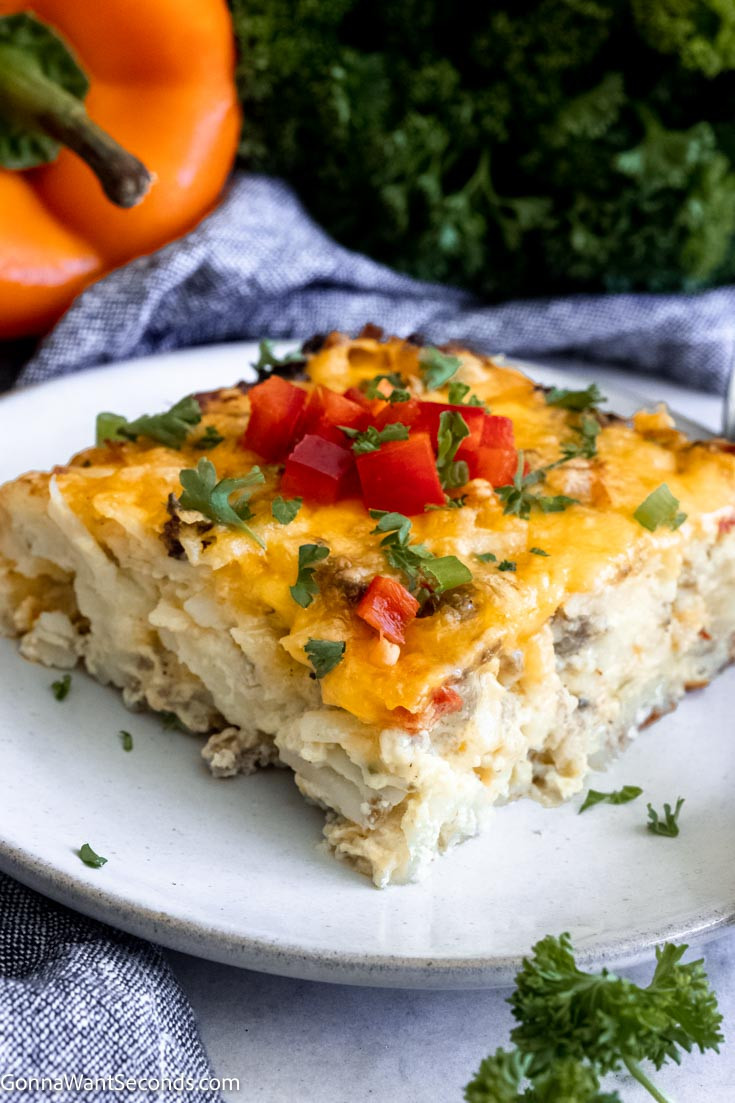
585	446
209	439
457	393
324	655
90	858
284	510
60	688
575	400
617	796
668	824
170	428
490	557
170	722
204	493
519	500
449	503
573	1027
427	575
436	367
452	431
371	438
268	361
305	588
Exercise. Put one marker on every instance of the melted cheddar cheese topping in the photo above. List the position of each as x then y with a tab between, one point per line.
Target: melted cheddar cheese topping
589	545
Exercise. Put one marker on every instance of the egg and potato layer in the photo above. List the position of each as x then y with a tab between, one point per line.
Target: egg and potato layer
577	625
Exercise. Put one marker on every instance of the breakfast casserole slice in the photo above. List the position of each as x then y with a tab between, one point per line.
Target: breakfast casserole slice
417	579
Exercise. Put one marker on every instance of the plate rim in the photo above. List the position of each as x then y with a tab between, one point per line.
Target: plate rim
301	961
340	967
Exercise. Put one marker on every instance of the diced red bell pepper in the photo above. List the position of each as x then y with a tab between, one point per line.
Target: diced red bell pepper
373	405
276	408
497	465
407	413
356	395
444	700
388	607
486	430
488	451
401	476
326	410
319	471
498	432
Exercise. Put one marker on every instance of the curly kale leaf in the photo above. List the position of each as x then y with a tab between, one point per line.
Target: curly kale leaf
701	33
549	146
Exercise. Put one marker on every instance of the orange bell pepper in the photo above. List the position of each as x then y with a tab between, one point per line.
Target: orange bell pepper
161	75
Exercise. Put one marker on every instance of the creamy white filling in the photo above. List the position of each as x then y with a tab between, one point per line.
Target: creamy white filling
601	667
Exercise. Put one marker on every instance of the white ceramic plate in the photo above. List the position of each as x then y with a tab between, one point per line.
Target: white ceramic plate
233	870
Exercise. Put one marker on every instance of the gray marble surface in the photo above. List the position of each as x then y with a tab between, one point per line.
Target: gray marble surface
290	1040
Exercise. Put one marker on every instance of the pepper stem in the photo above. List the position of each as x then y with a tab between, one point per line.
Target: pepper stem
29	99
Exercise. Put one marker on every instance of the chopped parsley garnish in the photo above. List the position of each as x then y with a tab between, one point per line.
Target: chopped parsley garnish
269	361
617	796
660	508
170	428
171	722
210	439
586	446
668	824
60	689
88	856
427	575
205	494
395	523
324	655
575	400
452	430
371	439
573	1027
459	391
538	551
285	509
305	589
436	367
372	388
517	498
449	503
127	740
490	557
